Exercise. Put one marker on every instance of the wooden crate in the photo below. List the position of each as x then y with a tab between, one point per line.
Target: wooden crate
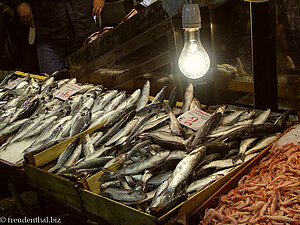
53	187
52	153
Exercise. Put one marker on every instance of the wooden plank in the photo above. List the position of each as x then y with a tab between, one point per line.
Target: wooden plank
53	187
113	211
54	152
20	73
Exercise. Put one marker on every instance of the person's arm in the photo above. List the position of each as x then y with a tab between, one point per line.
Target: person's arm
24	11
97	7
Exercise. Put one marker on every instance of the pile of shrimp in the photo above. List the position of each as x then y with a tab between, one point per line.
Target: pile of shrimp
269	194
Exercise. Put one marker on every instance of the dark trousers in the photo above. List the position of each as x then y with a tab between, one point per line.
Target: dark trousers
52	55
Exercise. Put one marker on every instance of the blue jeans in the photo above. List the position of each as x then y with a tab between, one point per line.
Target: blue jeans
52	55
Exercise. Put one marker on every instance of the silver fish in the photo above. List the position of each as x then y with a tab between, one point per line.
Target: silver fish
262	144
188	97
262	118
174	123
195	104
125	195
64	156
123	132
183	170
232	117
160	96
143	100
112	105
72	160
197	185
102	100
131	100
145	164
12	127
87	145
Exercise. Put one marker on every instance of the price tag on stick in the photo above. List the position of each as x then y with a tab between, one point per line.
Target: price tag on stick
194	119
67	91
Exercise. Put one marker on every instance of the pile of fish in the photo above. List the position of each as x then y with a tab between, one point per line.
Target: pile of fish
269	194
39	120
160	162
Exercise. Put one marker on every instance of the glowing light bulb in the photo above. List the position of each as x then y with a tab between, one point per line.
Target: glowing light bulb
193	61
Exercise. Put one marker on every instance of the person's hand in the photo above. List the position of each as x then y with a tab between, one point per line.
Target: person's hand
97	7
25	13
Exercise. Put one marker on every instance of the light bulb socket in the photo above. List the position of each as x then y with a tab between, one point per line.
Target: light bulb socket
191	18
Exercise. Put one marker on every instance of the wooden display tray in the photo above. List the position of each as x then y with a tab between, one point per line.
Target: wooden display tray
212	201
52	153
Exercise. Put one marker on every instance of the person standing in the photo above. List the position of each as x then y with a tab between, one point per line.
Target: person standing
60	26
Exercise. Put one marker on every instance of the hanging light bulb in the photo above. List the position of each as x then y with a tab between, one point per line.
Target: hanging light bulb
193	60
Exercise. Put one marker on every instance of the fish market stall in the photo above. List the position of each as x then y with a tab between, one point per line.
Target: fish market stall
147	164
126	139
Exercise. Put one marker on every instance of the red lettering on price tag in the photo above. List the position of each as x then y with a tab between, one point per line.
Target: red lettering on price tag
67	91
194	119
11	85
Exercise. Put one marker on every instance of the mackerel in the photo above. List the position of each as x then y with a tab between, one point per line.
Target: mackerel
125	195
